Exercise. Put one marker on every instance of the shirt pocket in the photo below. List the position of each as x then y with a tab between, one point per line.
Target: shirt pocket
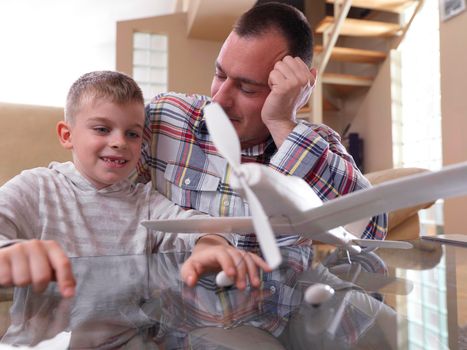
190	187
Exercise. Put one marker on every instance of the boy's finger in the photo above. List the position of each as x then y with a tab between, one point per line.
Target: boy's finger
6	278
227	262
19	266
261	263
189	273
39	266
240	266
252	270
62	267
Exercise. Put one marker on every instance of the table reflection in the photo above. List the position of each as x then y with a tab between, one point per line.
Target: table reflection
140	302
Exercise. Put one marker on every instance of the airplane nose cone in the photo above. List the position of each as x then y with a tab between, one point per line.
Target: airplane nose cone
318	293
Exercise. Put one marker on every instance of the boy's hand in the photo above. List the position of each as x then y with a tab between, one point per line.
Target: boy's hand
37	263
213	253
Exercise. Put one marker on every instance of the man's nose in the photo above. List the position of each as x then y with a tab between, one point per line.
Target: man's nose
224	95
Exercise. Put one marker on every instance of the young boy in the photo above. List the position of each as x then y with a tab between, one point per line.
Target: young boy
89	207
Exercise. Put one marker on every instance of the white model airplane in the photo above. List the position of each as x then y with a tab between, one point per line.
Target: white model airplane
281	204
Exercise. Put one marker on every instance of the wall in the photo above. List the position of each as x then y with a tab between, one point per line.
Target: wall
191	61
29	138
453	46
373	121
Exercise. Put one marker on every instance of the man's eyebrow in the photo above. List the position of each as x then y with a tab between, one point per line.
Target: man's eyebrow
242	79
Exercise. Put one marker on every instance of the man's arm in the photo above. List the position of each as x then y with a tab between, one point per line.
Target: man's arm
291	83
315	153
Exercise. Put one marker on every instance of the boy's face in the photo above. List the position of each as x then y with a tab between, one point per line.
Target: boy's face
105	140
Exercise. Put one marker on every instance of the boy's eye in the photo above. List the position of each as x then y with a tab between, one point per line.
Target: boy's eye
133	134
101	129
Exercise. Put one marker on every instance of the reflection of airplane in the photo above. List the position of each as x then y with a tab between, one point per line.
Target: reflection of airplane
287	205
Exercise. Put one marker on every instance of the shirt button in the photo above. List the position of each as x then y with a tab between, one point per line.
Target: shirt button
226	203
272	289
187	181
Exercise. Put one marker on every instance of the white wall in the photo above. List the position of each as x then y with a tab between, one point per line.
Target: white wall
47	44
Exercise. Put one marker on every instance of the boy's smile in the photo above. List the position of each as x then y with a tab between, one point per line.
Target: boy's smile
106	140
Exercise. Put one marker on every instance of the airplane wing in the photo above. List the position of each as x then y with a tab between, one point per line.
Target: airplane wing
450	181
203	225
237	224
318	223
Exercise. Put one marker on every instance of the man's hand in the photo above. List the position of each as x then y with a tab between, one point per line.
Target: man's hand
36	263
213	253
291	83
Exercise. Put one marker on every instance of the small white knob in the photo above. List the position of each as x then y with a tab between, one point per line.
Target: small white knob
318	293
222	280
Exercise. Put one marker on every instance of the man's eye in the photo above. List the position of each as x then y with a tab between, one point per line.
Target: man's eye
220	76
246	90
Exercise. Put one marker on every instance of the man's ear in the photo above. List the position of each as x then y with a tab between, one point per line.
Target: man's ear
64	134
314	74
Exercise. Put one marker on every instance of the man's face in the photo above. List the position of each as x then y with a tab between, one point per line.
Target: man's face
240	84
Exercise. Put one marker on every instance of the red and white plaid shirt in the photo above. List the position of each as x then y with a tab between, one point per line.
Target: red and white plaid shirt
183	164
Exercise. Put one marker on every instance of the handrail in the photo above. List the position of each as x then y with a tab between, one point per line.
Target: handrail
399	40
328	43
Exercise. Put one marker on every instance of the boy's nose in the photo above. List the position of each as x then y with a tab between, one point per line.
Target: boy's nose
118	142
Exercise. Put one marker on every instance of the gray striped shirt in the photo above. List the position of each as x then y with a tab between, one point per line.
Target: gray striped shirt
58	203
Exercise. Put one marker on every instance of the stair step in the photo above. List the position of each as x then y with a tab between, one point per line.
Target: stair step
397	6
348	54
361	27
347	79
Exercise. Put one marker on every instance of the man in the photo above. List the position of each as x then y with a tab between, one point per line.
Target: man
262	78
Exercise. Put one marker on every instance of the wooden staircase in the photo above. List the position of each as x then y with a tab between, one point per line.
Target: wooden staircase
383	21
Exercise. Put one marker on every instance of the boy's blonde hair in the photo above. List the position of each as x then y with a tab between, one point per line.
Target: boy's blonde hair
112	86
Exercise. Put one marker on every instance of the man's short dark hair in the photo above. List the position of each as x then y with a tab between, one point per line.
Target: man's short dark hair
288	20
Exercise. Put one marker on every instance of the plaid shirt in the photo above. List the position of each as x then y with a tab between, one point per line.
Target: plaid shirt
268	307
180	159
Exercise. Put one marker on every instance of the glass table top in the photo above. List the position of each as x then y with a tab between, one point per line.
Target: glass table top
387	299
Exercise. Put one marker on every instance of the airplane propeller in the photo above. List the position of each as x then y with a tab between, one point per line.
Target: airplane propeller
226	140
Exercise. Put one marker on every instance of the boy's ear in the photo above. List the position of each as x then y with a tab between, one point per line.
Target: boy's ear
64	134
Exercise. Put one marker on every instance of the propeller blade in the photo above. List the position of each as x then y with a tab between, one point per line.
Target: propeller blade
223	134
226	140
264	233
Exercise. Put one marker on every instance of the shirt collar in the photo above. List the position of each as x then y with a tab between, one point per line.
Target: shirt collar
69	170
260	149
